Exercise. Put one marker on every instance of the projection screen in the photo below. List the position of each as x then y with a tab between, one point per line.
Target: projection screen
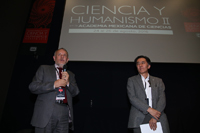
120	30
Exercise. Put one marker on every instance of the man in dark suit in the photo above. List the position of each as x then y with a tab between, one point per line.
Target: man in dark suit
147	97
53	112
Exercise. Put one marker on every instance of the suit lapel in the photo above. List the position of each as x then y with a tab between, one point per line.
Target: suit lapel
139	80
53	73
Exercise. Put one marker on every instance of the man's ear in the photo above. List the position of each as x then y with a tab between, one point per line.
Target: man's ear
149	66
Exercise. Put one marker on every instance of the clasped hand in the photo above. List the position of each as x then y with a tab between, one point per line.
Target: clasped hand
62	82
153	122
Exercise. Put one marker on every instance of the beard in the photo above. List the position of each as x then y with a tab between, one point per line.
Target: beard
61	65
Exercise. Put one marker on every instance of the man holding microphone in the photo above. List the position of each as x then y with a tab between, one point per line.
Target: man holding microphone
55	87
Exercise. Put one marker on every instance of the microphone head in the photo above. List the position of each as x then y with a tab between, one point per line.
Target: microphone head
65	68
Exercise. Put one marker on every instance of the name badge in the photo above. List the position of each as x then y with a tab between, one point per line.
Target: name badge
60	94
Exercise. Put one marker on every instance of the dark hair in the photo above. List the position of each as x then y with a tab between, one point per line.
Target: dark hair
142	56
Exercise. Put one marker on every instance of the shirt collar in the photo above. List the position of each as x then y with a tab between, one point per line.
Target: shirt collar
143	79
56	66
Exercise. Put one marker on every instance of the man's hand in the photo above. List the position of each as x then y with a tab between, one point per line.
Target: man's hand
156	114
60	83
153	124
65	76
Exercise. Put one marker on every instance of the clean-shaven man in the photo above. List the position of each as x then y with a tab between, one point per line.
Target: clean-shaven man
146	94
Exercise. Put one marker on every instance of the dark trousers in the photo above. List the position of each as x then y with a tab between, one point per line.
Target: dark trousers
146	120
136	130
59	121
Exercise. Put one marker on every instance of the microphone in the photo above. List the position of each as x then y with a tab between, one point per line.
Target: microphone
65	68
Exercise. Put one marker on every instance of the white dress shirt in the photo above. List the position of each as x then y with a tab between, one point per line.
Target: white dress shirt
147	87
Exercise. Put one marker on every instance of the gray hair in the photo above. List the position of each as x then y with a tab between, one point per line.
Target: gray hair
62	49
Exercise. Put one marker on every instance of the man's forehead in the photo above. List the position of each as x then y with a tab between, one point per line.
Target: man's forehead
141	60
61	51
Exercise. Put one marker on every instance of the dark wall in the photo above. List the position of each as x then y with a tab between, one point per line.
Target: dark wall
13	18
105	84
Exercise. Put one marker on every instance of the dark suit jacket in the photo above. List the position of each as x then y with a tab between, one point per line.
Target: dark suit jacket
139	106
43	85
